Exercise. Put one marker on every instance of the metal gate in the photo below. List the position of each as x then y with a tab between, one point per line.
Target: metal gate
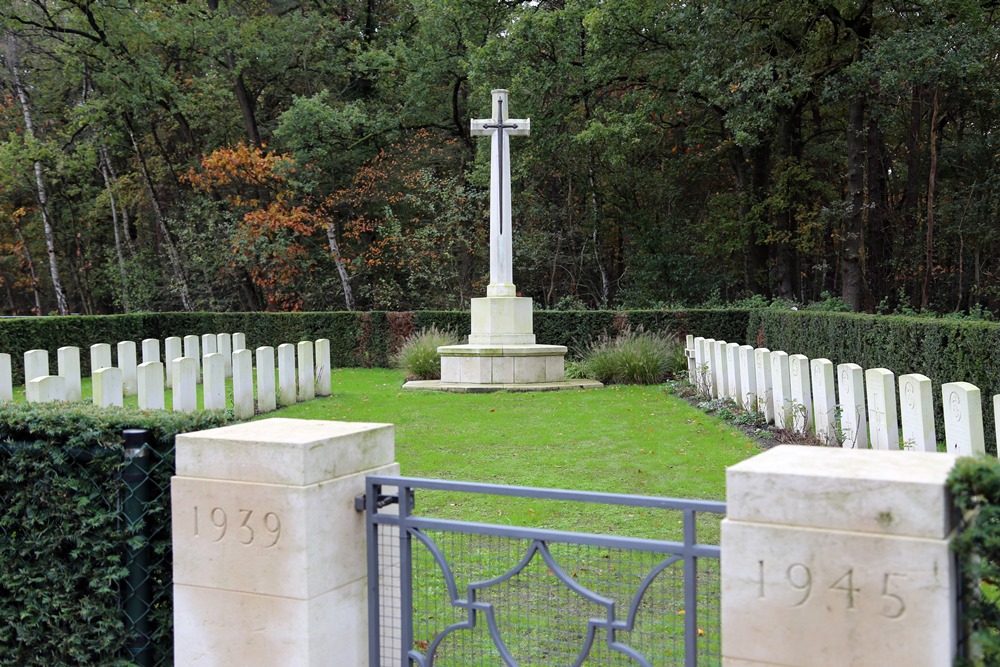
454	593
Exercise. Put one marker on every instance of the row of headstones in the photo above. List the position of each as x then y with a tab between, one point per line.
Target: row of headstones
208	361
844	404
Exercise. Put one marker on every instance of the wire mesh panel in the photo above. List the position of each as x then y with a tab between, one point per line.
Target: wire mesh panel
85	541
454	593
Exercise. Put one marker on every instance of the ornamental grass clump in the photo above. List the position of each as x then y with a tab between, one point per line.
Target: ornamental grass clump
630	358
418	354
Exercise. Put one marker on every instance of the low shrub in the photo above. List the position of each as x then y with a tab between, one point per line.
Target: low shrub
630	358
418	354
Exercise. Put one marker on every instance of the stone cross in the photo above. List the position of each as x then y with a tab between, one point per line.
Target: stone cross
500	126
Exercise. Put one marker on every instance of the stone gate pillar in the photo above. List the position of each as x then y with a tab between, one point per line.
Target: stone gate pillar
834	557
269	552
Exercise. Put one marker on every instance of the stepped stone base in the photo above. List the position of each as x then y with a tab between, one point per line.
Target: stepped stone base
501	354
458	388
502	364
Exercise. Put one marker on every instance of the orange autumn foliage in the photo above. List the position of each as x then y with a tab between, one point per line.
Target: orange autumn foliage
268	242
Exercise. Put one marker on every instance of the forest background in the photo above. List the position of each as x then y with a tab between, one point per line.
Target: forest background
315	154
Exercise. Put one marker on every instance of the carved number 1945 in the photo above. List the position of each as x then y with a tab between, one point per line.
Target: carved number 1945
799	577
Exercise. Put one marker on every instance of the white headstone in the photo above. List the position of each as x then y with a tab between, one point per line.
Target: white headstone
171	350
700	365
916	407
149	377
781	389
36	365
127	362
762	373
500	127
689	354
214	389
68	362
963	418
708	355
46	389
853	416
224	344
150	350
192	349
106	384
266	395
824	400
307	370
185	389
243	384
883	423
323	367
721	371
286	374
733	379
996	420
100	357
748	378
239	341
209	344
802	404
6	379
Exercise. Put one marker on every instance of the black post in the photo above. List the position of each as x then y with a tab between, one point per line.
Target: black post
138	595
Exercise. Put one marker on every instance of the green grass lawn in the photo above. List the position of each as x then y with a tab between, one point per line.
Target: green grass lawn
620	439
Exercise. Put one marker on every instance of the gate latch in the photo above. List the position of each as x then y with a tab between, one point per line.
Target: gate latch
381	500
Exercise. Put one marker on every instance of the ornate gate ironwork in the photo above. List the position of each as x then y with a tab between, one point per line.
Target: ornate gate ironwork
449	592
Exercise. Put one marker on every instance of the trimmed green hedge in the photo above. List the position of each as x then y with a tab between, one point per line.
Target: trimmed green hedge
63	537
943	350
364	339
975	486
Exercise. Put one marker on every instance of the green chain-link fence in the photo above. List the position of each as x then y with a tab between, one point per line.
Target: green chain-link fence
90	534
85	556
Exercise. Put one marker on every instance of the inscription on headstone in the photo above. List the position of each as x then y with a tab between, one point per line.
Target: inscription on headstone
824	400
765	395
883	429
916	407
963	418
733	377
853	416
781	388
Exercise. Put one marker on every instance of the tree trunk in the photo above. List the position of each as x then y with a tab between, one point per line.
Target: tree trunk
877	240
785	264
161	223
912	187
925	292
31	271
40	191
856	136
243	97
851	252
245	101
103	158
345	281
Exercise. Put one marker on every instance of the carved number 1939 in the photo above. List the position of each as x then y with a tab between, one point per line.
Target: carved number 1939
267	532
